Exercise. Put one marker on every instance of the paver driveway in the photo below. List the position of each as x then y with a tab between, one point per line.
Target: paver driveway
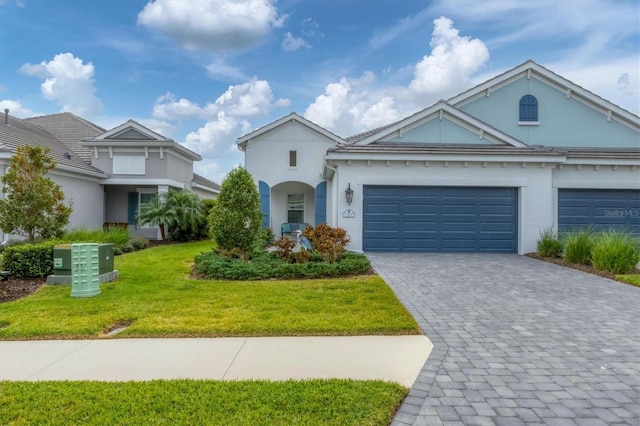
518	341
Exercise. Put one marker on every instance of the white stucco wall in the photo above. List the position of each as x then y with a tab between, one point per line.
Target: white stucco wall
534	183
267	157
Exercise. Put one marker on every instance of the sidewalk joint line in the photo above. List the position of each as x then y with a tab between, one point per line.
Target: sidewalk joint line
87	343
224	376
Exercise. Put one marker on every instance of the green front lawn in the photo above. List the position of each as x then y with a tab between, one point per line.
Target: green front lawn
156	294
181	402
633	279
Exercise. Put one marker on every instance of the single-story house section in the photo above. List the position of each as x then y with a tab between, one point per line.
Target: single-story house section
106	174
484	171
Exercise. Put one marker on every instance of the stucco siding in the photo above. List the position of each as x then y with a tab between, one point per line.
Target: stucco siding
178	169
563	122
440	132
87	197
267	157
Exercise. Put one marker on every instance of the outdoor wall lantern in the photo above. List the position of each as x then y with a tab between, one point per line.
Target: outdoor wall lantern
349	194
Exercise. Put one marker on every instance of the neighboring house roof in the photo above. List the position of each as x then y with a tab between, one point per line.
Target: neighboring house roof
18	132
243	140
70	130
530	69
443	149
201	181
134	134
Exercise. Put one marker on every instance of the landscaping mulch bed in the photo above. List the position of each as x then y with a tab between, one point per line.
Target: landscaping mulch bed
16	288
584	268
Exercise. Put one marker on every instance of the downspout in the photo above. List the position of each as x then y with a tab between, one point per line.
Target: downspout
334	194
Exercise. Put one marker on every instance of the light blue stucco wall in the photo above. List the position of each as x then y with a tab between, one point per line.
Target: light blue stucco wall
563	122
439	131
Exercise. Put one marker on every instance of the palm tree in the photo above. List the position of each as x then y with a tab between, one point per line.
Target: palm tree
177	210
155	212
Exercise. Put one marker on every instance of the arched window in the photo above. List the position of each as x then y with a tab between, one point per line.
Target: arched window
528	108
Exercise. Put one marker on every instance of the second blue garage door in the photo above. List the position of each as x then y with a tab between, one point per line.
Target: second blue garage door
440	219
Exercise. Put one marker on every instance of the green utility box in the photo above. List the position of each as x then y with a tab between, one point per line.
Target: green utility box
85	270
62	259
63	264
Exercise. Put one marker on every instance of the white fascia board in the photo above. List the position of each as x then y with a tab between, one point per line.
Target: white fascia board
556	159
603	161
65	170
293	117
142	181
130	124
128	147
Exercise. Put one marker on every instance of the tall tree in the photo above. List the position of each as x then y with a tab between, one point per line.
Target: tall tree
235	219
33	204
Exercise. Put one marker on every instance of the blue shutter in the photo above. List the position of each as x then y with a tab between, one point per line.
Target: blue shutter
265	203
321	203
132	208
528	108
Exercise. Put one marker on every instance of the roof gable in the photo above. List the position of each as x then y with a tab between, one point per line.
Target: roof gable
441	111
131	130
291	118
531	69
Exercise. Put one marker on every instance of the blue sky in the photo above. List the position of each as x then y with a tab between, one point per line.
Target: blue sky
206	72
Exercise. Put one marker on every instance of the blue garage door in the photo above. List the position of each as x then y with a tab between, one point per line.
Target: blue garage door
440	219
601	208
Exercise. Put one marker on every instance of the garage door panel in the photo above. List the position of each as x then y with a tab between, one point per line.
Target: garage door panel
435	219
601	209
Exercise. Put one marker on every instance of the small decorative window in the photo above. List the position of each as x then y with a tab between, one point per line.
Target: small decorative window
293	159
528	109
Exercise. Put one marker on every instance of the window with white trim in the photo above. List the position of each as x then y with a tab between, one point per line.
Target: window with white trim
295	208
293	158
145	196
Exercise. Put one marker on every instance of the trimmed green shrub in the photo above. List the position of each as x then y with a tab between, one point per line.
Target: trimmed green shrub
235	219
139	243
548	244
269	266
577	246
615	252
29	260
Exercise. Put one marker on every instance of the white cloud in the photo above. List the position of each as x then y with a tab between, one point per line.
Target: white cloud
291	43
16	109
354	105
68	82
225	120
211	139
220	69
452	61
215	25
250	99
168	107
348	107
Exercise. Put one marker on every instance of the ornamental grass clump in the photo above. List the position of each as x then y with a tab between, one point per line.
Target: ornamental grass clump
578	245
615	252
548	244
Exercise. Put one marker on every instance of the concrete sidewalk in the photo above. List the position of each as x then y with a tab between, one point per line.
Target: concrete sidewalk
392	358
